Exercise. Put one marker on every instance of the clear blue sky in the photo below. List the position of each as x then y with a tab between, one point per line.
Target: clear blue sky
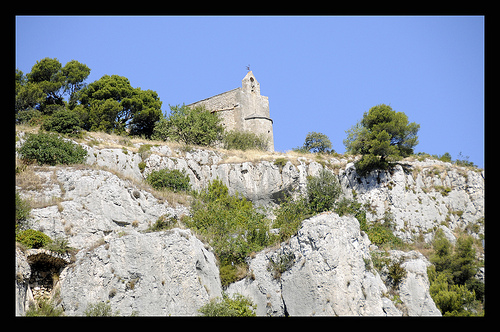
320	73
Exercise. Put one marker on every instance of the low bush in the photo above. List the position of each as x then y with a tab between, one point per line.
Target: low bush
99	309
244	140
33	239
63	121
322	191
397	272
174	180
232	226
289	216
162	223
50	149
43	308
196	126
235	306
23	209
283	262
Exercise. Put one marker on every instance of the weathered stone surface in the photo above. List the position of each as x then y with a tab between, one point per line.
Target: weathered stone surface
161	273
413	289
329	274
95	205
23	274
102	212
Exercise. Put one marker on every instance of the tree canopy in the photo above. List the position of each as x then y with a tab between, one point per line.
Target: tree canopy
316	142
47	83
382	137
111	104
190	125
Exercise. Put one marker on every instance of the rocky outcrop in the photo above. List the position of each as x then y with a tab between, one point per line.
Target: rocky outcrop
153	274
421	197
413	290
93	205
103	210
23	274
327	271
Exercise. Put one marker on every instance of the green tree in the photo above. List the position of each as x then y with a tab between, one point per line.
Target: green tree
74	73
382	137
195	126
442	256
451	300
317	142
452	284
46	85
463	263
28	95
111	104
48	75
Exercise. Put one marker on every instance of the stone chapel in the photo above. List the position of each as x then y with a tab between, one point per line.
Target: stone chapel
243	109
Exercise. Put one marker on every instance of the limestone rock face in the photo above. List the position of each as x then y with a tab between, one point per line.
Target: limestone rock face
162	273
23	274
95	204
414	288
328	274
427	196
102	209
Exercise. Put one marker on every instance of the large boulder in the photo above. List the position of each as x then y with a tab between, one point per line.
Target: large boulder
323	270
152	274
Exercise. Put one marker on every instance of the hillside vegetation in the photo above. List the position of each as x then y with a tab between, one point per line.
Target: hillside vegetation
247	229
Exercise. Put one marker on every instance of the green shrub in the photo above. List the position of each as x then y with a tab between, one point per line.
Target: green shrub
397	272
281	162
23	209
283	262
232	226
289	216
63	121
237	306
51	149
244	140
33	239
99	309
174	180
162	223
145	151
58	245
453	286
30	116
43	308
322	191
195	126
451	300
142	166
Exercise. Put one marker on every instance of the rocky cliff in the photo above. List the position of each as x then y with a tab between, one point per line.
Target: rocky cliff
103	208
